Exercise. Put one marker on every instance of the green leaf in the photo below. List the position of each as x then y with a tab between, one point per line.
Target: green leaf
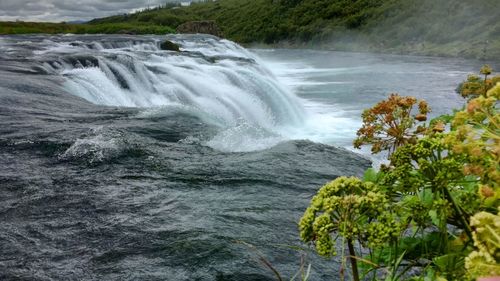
427	197
445	118
431	275
371	175
449	262
434	217
470	183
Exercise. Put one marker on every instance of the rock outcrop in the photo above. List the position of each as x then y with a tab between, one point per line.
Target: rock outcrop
169	46
205	27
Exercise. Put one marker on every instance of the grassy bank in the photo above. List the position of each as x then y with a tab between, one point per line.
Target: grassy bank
106	28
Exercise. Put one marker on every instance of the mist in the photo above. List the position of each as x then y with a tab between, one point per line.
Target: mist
440	28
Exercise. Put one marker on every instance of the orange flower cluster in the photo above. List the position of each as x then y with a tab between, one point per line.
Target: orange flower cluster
392	123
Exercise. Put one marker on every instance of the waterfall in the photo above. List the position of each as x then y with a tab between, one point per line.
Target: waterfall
215	77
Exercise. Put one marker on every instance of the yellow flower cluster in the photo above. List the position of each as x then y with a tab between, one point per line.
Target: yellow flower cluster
476	135
485	261
354	210
475	86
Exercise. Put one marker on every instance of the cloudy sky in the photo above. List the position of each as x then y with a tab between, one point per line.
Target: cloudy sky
68	10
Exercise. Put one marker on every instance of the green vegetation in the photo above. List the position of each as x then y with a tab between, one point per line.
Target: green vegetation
248	21
466	28
434	207
106	28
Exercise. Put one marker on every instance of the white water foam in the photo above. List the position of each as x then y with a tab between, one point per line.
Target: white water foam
326	122
98	147
216	77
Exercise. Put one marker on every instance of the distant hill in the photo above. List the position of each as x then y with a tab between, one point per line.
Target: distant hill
466	28
77	21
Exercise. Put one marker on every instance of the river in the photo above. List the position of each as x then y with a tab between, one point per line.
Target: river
121	161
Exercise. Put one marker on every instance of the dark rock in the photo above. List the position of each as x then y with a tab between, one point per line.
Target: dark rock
169	46
205	27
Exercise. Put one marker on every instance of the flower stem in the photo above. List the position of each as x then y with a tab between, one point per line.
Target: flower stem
354	263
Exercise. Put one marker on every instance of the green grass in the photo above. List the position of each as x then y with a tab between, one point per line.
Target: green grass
103	28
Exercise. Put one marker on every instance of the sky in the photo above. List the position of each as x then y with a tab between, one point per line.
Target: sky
69	10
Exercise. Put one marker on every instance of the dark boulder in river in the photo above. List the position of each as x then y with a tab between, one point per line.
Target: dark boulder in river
169	46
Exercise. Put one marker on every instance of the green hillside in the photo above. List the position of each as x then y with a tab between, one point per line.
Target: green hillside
468	28
266	21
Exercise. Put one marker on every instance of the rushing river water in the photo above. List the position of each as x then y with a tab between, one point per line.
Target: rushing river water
120	161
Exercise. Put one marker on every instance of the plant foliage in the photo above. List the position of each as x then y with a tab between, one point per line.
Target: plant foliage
434	207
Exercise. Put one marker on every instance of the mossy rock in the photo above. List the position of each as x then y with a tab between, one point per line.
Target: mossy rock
169	46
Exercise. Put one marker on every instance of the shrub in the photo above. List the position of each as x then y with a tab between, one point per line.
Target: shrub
419	210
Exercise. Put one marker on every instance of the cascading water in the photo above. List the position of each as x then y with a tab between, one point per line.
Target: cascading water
119	160
125	184
210	77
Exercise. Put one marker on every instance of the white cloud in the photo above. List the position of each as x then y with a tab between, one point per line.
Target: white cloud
67	10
